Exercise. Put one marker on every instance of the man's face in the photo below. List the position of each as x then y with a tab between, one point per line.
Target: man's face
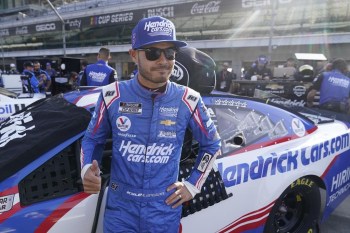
36	66
155	73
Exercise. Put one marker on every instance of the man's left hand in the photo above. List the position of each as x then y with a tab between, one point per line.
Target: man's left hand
180	196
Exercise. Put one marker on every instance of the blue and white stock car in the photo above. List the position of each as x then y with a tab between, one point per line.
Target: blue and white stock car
274	162
268	179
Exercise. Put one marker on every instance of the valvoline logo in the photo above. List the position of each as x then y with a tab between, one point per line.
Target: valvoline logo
123	123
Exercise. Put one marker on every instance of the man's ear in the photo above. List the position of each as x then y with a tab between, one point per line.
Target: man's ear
133	55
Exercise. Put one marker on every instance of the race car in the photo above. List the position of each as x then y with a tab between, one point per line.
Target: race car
11	102
274	162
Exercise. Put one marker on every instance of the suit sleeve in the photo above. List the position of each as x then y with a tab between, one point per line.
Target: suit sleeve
83	81
204	131
96	134
113	76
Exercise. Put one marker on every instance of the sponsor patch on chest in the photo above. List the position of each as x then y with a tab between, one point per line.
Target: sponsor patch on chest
130	108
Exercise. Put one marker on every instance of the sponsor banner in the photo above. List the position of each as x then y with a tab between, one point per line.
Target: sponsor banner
199	8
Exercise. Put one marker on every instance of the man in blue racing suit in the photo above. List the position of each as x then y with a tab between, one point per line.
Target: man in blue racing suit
148	116
334	88
100	73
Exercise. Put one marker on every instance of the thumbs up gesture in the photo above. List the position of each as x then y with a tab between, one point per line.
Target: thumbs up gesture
92	179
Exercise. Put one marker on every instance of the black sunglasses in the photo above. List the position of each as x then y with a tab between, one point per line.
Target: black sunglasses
153	54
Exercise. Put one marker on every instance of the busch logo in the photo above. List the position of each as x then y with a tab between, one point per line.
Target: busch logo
97	77
210	7
167	11
139	153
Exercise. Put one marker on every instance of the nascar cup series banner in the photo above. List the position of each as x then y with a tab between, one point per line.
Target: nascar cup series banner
191	9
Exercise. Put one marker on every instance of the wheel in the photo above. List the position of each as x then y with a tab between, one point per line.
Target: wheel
297	210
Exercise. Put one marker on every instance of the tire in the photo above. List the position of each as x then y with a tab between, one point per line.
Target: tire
297	210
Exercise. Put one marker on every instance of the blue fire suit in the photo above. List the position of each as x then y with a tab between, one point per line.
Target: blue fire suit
148	134
31	84
37	74
98	74
334	89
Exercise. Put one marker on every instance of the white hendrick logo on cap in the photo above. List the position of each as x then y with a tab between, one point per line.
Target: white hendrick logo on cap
159	28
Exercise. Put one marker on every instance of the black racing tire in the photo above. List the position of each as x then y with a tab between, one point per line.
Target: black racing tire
297	210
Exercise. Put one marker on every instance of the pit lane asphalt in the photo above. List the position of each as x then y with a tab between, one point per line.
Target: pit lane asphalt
339	221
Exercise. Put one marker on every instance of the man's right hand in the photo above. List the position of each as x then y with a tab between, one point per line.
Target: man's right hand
92	179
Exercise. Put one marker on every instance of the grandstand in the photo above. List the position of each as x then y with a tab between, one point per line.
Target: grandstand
235	31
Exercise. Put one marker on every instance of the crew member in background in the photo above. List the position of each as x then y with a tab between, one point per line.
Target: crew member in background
73	81
84	64
333	87
13	69
224	78
50	71
259	70
30	83
100	73
292	65
43	77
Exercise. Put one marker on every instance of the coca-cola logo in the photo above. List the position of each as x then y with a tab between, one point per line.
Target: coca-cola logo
210	7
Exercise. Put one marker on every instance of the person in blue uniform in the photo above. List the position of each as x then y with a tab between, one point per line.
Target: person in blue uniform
99	73
147	117
43	77
259	70
30	82
333	87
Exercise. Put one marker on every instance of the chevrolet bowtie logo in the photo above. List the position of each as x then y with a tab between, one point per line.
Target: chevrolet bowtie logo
167	122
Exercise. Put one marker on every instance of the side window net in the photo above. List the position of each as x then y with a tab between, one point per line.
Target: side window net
57	177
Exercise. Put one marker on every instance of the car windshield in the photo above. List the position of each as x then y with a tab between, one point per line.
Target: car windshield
8	93
312	113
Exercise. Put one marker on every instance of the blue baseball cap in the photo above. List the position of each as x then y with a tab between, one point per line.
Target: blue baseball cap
262	59
153	30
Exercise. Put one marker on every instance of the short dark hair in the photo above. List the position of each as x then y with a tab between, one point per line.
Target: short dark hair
28	63
84	63
73	73
340	64
104	53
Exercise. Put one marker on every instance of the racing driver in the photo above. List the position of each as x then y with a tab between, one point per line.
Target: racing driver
147	117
